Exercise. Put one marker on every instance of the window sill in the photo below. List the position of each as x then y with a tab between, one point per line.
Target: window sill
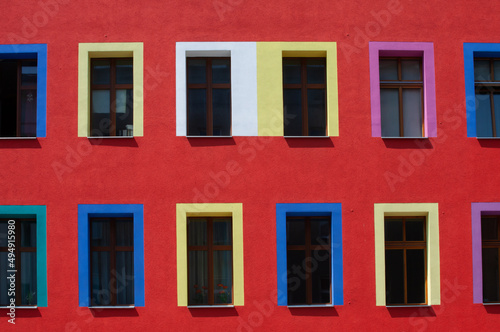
410	306
8	138
209	306
113	307
311	306
306	136
202	136
100	137
397	137
20	307
483	137
491	303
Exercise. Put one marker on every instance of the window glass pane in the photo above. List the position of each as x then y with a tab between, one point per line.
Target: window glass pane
412	112
320	231
221	71
389	109
197	112
124	112
415	275
321	277
482	70
490	275
100	278
8	98
496	105
415	230
410	70
196	71
100	101
394	276
496	70
124	277
4	284
197	232
100	233
489	228
28	233
28	113
293	112
316	71
198	277
393	229
295	273
28	278
291	71
295	231
221	99
124	233
388	70
223	276
124	71
29	73
101	72
316	112
484	126
3	233
222	232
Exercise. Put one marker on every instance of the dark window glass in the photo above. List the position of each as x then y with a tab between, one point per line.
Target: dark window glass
393	230
394	276
18	98
415	274
415	229
210	261
490	238
209	96
309	260
304	96
487	95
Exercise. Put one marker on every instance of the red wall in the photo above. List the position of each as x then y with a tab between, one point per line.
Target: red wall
160	169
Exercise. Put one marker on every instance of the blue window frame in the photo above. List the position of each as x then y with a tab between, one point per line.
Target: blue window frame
31	51
332	210
86	211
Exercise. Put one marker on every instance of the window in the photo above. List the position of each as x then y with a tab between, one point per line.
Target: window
405	260
209	96
297	88
304	96
210	256
110	89
112	97
308	260
407	268
18	255
112	261
402	84
111	255
487	93
309	253
401	97
23	69
490	237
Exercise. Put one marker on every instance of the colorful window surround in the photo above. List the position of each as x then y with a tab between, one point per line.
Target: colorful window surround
243	83
270	82
235	210
39	212
38	51
478	210
310	209
472	50
136	211
403	49
87	51
429	210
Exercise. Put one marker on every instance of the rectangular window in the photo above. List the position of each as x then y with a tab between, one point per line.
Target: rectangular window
112	97
309	260
405	260
304	96
112	261
487	96
490	238
210	257
209	96
23	258
401	97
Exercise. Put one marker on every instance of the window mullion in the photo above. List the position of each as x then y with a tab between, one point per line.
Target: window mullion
308	261
210	125
112	113
492	110
112	259
18	99
305	124
210	254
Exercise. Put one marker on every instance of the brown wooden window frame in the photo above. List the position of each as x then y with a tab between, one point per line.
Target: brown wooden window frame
491	86
18	250
208	86
308	248
401	84
492	244
112	87
404	245
210	248
112	249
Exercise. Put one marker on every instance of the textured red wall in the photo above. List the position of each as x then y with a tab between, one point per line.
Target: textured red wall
160	169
